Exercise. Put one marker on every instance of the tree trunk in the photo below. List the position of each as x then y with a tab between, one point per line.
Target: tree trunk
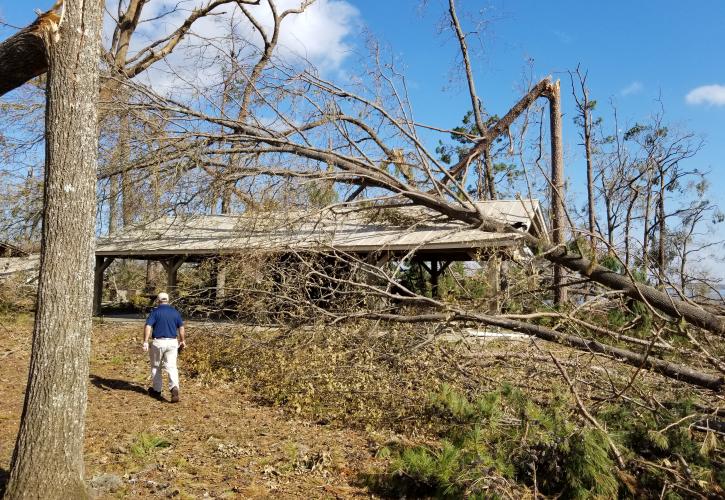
646	228
586	112
48	457
665	368
488	162
128	197
627	229
656	298
661	260
113	205
610	223
557	186
498	128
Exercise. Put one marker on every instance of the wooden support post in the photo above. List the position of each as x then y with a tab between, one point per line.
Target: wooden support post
102	264
494	277
378	258
152	271
434	274
172	267
435	270
220	284
557	185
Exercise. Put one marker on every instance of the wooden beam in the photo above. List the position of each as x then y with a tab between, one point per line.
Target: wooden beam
445	264
424	266
434	274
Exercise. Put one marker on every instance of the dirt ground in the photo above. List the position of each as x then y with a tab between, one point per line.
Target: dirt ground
214	444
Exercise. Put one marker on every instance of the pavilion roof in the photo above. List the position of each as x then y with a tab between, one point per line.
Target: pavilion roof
402	229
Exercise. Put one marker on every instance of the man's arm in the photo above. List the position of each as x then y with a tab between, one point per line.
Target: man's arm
182	336
146	336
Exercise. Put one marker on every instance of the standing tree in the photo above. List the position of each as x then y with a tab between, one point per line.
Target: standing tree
48	457
584	119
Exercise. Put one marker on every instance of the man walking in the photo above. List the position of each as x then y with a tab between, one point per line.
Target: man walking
161	326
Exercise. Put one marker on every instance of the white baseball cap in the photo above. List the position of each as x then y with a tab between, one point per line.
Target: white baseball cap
163	297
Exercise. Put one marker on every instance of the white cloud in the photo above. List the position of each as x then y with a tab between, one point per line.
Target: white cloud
321	35
713	95
633	88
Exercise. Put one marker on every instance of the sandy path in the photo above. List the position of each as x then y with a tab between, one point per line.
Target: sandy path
219	444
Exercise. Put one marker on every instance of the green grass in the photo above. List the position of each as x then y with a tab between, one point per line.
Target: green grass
147	444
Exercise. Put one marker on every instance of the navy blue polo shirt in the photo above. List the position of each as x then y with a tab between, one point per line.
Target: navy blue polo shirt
164	320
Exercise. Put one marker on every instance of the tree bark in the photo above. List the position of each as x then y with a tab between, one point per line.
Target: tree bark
113	204
627	228
590	171
498	128
661	260
48	457
646	226
128	195
585	109
557	186
656	298
488	163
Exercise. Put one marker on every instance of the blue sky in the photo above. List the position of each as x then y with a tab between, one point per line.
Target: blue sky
634	51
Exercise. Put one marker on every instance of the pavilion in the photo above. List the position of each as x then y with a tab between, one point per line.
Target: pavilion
373	234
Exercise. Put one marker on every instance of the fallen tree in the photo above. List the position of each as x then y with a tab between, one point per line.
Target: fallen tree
252	139
671	370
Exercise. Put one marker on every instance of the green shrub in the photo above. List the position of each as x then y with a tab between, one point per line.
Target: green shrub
572	463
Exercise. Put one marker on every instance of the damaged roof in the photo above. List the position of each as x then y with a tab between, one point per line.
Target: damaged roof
359	230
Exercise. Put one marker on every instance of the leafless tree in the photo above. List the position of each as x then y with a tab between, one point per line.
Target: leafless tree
585	106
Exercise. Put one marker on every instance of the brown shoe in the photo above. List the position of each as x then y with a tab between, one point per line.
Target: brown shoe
175	395
154	394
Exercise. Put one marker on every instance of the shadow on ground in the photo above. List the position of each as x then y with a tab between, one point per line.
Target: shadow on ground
392	486
4	476
111	384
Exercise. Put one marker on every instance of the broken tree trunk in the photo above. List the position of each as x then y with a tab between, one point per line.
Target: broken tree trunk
23	55
656	298
557	255
48	457
558	223
498	128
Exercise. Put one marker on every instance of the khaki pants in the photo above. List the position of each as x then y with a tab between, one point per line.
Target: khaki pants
162	354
